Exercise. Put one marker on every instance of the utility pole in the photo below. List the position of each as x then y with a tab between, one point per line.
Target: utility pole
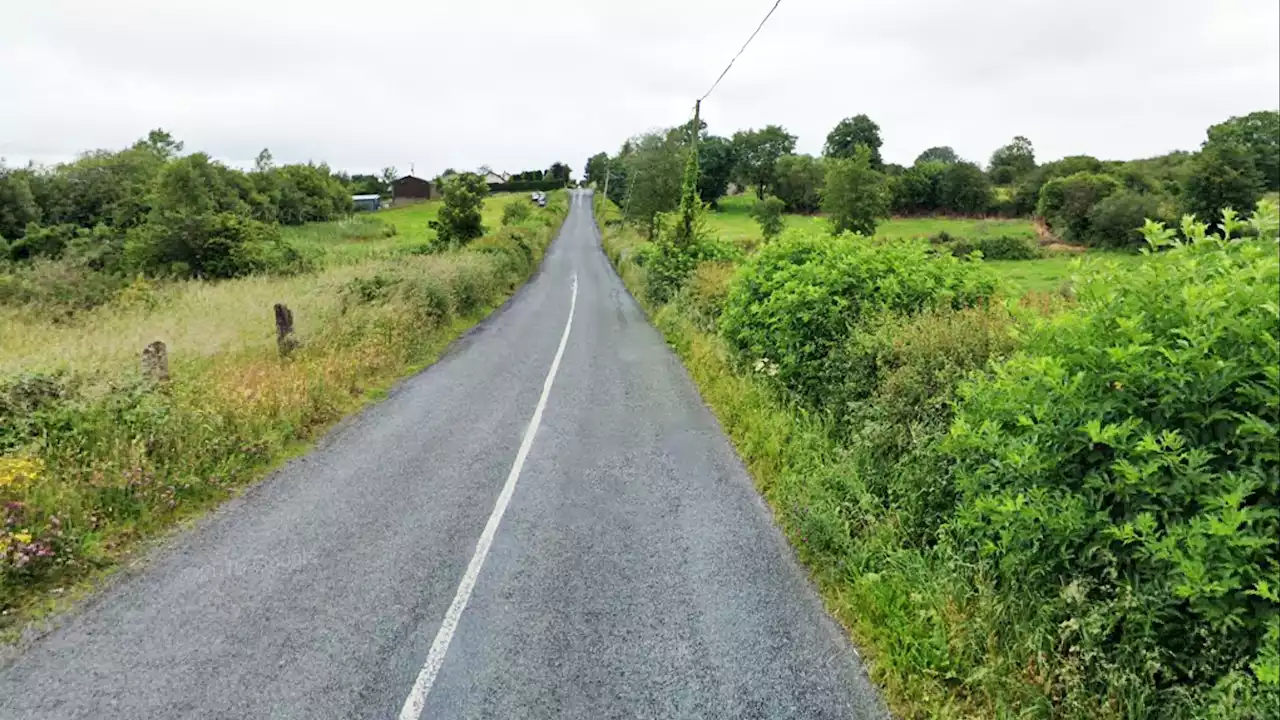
689	200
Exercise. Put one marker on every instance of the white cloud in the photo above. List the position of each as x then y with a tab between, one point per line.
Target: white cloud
520	84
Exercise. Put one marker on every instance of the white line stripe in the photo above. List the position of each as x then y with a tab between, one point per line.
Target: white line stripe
413	704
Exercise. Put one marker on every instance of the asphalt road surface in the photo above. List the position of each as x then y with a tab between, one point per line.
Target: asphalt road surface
548	523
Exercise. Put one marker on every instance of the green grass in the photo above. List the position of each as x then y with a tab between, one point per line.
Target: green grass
733	222
363	237
1051	274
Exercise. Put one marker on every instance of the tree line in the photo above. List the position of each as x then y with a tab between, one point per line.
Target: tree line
1082	198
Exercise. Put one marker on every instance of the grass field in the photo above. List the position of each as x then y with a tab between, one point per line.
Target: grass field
733	222
364	237
1053	273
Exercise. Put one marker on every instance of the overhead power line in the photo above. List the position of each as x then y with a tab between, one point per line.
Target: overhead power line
744	47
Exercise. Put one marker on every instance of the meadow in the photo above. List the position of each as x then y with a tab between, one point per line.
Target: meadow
95	458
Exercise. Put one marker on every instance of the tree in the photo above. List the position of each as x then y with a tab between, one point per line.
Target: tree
716	161
855	195
1026	195
918	189
849	133
160	142
1117	220
654	171
1222	175
799	183
964	189
1259	133
17	204
389	176
263	162
1066	202
942	154
1012	162
758	152
559	172
597	169
459	220
768	214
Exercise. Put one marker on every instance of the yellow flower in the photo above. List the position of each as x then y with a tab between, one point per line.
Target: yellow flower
22	537
19	470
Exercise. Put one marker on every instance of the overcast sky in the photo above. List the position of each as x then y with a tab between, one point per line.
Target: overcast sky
519	84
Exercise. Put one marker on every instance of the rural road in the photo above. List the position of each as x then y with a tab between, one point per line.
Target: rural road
548	523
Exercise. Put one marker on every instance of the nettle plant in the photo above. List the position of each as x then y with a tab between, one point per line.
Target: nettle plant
1121	474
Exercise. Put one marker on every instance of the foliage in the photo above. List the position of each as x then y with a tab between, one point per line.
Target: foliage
18	206
798	183
854	195
560	173
918	189
1119	478
963	188
516	211
1117	220
459	221
768	215
653	177
1013	162
1259	133
1222	175
597	169
757	153
1027	193
942	154
851	132
716	163
1066	203
796	299
994	247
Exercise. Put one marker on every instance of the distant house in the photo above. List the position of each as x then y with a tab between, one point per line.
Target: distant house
367	202
410	189
494	178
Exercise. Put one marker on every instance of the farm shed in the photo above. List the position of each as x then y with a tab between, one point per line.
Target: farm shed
367	202
412	189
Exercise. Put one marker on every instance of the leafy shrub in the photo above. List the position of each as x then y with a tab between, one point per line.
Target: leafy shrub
918	189
798	182
999	247
965	189
209	245
855	196
1116	221
459	220
60	287
1119	480
797	299
707	291
516	211
902	403
768	214
1065	203
1222	175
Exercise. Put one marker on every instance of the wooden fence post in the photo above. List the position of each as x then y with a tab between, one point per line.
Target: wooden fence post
155	362
285	341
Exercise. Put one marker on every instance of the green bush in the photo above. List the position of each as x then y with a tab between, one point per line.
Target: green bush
1119	483
459	220
1065	202
964	189
999	247
516	211
60	287
768	215
855	196
798	182
209	245
707	292
1116	221
797	299
902	403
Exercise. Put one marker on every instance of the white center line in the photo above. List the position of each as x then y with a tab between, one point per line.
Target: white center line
413	704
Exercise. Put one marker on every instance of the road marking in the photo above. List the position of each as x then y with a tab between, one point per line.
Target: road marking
417	699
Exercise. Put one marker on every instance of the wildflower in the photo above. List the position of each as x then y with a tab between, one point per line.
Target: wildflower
23	537
18	471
